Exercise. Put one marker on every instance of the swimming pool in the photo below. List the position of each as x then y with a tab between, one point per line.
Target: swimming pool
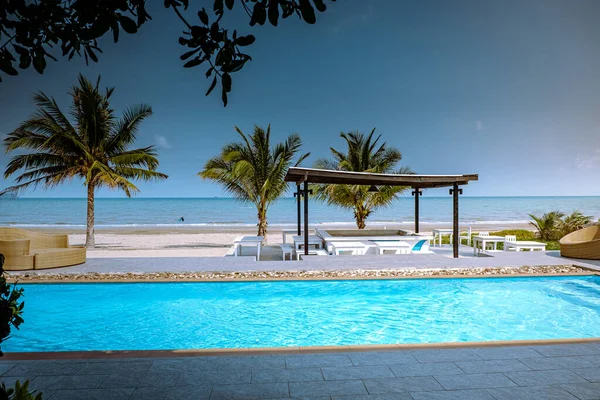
152	316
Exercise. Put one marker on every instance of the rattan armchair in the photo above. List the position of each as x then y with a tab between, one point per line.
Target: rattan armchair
584	243
26	250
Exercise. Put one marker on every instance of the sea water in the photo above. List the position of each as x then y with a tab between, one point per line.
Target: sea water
149	212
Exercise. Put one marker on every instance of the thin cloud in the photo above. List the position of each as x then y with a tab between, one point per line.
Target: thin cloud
350	20
588	161
162	142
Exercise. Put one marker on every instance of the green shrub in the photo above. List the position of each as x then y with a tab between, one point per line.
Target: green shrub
547	224
10	317
555	224
521	234
572	223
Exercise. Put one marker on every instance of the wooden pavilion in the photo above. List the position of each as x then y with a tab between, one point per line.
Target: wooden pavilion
416	182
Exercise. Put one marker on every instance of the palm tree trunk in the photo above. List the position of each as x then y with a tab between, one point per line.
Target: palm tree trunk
360	216
90	241
262	222
360	223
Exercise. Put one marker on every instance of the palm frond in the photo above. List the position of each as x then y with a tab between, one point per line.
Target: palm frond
145	157
31	161
126	129
48	106
141	174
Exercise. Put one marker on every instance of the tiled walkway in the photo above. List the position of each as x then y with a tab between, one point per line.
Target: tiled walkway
440	259
552	372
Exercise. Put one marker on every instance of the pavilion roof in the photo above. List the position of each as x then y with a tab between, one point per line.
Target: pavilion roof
326	176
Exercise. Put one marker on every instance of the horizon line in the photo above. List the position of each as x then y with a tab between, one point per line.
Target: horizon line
285	197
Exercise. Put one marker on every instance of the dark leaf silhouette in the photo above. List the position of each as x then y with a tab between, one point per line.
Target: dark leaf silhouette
128	24
203	16
76	27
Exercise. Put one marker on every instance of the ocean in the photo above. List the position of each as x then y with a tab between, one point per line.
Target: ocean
165	212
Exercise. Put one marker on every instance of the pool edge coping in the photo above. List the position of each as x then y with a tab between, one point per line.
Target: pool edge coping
12	279
123	354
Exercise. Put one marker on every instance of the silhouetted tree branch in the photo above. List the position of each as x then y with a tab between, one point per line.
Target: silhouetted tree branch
30	31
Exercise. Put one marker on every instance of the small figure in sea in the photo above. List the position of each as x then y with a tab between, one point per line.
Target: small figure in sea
181	219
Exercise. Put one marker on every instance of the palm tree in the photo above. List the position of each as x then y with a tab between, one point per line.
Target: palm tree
93	146
363	155
253	171
547	224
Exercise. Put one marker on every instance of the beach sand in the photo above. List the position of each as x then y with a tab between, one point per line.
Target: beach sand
212	244
197	242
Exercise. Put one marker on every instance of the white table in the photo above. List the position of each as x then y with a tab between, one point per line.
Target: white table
522	245
398	246
357	247
248	241
441	232
291	232
313	240
485	240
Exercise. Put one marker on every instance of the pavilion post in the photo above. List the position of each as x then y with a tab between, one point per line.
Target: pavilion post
417	193
455	191
298	196
306	218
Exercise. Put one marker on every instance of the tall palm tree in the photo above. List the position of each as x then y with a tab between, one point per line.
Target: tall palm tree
252	170
364	154
92	146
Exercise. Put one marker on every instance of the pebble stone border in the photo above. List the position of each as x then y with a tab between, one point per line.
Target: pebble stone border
290	275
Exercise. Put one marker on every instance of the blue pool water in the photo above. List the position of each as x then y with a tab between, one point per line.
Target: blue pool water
136	316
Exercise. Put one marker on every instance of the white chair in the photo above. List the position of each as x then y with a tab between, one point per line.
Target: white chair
286	249
465	238
509	239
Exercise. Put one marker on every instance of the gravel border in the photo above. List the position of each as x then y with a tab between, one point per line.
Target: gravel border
288	275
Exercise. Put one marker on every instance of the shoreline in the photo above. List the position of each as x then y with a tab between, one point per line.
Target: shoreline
274	229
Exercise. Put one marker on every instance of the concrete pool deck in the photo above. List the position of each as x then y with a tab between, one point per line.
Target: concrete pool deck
440	259
533	372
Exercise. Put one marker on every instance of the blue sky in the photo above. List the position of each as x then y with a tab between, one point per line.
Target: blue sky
505	89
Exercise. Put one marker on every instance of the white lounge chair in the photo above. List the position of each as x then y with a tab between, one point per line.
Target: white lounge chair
421	247
511	243
509	239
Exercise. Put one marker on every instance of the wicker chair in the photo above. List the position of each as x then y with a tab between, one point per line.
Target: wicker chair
584	244
31	250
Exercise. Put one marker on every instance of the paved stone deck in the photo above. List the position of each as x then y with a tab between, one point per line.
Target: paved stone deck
548	372
442	258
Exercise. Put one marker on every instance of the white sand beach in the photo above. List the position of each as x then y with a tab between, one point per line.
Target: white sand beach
185	242
110	245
